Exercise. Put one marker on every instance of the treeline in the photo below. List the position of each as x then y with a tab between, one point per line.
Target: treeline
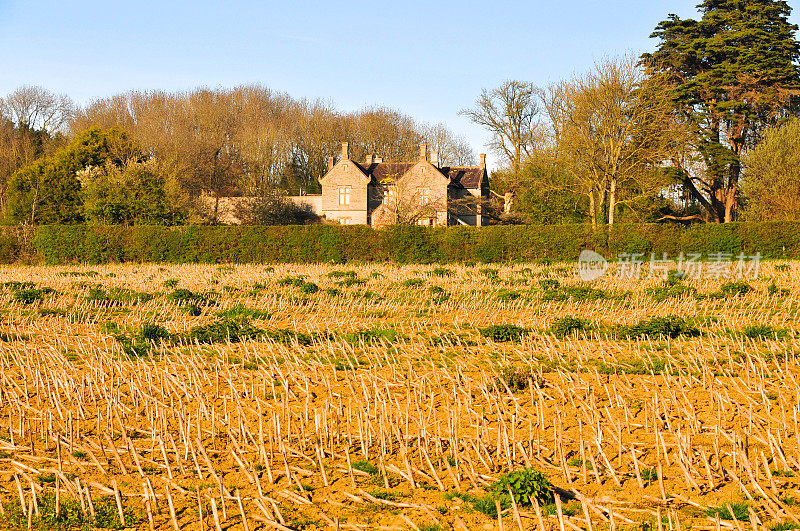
65	244
704	128
167	158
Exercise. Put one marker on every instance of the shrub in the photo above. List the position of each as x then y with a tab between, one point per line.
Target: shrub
507	295
764	331
549	284
16	285
372	334
153	332
233	330
669	289
732	289
351	281
342	274
671	326
438	294
184	295
10	336
287	336
504	333
170	283
308	287
585	293
568	326
412	283
773	289
442	272
649	475
191	309
578	293
366	466
526	486
740	511
518	379
290	281
29	296
783	526
239	311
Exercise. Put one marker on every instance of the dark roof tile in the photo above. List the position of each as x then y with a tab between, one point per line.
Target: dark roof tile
466	176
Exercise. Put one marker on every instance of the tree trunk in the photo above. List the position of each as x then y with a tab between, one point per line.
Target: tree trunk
592	209
216	209
612	200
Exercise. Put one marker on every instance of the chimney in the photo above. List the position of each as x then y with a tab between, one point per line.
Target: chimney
378	160
423	151
330	163
435	158
483	160
369	159
345	154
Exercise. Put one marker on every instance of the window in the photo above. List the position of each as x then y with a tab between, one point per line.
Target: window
424	195
344	195
389	196
345	221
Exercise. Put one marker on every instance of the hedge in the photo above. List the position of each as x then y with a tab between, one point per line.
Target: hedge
61	244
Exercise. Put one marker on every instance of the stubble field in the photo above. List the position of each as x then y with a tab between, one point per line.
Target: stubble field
388	397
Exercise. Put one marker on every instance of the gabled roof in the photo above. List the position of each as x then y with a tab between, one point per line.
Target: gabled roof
383	171
466	176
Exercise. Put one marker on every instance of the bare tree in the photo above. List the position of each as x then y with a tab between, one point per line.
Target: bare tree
510	113
453	150
35	108
614	127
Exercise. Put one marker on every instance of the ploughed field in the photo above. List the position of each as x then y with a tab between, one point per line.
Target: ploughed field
386	397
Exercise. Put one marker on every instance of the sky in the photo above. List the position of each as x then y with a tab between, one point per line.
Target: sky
428	59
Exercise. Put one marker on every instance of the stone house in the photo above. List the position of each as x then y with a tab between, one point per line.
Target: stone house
380	193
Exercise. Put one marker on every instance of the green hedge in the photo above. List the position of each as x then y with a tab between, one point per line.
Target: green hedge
59	244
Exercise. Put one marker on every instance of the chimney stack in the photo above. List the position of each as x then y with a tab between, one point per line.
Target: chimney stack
483	160
345	154
435	158
369	159
330	163
378	160
423	151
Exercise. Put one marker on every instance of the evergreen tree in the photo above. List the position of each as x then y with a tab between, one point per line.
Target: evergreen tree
735	72
49	190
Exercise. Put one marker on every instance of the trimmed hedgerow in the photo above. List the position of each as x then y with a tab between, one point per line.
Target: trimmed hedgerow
59	244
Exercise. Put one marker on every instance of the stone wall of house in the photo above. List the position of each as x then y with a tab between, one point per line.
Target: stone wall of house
313	202
345	175
424	183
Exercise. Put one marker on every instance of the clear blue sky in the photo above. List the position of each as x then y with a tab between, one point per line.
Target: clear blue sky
427	59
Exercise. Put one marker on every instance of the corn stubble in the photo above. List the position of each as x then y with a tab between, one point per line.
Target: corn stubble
381	404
